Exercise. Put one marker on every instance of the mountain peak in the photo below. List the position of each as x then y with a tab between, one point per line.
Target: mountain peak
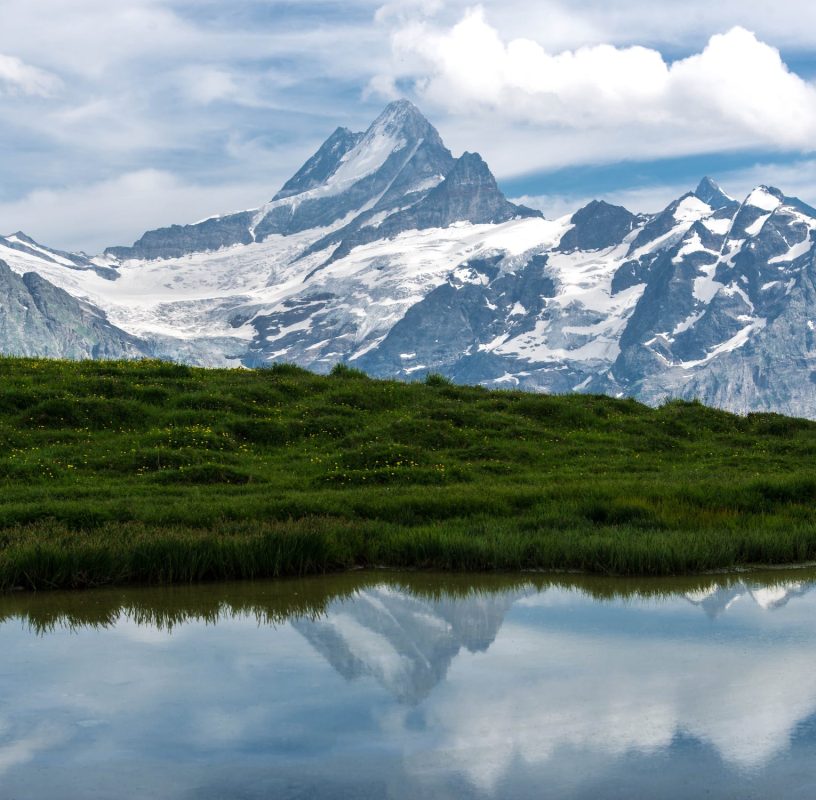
400	109
710	192
471	168
593	207
21	236
766	198
470	192
401	117
707	184
596	226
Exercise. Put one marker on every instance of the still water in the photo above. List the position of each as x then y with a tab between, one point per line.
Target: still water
380	685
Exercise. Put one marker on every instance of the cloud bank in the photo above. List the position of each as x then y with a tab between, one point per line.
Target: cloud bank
630	102
90	217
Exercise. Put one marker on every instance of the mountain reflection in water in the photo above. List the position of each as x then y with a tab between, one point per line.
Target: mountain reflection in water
373	685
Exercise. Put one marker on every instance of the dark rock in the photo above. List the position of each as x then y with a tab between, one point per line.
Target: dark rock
322	165
597	226
39	319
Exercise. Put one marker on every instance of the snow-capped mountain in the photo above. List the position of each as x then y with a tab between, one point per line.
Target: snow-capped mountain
385	252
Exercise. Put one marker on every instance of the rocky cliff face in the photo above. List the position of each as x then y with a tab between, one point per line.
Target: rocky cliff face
596	226
468	193
385	252
38	319
322	165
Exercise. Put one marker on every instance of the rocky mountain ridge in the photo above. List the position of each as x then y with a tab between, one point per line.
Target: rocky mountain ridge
387	253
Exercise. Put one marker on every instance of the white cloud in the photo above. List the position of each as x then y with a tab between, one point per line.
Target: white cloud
570	24
91	37
17	77
208	85
119	210
603	102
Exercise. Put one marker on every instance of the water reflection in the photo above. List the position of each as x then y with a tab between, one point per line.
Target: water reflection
405	642
716	599
413	686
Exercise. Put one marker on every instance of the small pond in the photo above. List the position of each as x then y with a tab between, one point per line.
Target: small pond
411	686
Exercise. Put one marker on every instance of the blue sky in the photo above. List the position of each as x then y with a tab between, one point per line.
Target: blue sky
118	117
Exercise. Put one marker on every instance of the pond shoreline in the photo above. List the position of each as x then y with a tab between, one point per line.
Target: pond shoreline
45	558
309	595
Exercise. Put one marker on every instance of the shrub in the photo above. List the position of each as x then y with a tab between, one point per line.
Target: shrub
340	370
436	379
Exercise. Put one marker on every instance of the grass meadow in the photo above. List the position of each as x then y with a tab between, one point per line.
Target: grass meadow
150	472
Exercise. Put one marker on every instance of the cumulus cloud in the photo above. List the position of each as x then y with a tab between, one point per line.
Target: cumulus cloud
570	24
17	77
737	92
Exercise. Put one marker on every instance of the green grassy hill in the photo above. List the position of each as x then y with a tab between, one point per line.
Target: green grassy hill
154	472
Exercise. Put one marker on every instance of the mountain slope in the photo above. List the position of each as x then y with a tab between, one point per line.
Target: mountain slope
39	319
